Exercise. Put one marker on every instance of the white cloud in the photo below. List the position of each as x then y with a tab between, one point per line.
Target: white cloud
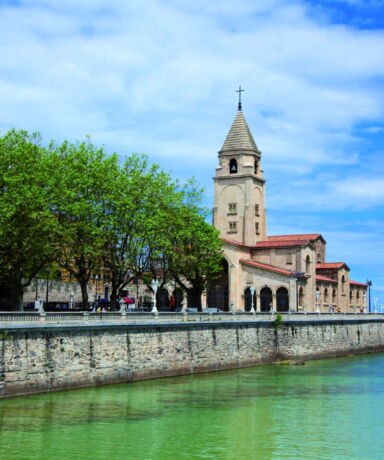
159	77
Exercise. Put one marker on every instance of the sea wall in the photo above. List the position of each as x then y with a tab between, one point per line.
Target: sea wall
37	358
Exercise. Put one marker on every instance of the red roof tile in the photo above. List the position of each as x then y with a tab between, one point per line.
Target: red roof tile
236	243
305	237
331	265
357	283
266	267
280	243
324	278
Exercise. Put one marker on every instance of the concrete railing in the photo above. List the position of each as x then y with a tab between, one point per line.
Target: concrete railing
117	317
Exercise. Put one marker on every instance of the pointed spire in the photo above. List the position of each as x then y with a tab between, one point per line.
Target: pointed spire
239	136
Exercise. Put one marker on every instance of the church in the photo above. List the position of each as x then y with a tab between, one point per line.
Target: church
262	272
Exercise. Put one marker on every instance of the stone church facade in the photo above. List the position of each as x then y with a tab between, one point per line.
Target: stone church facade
263	272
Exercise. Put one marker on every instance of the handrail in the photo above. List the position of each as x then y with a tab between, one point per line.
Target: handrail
7	317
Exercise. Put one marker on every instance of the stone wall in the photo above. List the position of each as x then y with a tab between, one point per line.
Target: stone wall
40	358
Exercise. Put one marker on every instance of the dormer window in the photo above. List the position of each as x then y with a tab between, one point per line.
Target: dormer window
233	166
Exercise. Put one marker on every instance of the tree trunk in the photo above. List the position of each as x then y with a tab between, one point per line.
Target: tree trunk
194	299
113	296
84	294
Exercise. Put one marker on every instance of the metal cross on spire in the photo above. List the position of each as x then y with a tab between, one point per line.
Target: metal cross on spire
239	91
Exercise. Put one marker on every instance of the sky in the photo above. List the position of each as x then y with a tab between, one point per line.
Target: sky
159	77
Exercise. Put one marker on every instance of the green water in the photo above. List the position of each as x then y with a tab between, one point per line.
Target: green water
328	409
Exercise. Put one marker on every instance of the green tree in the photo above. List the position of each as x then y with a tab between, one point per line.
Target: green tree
196	253
27	226
84	178
145	198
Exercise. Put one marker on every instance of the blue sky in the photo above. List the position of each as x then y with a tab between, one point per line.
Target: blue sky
159	77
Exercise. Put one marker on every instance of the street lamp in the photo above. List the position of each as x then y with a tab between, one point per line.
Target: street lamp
154	286
318	301
375	304
252	290
71	297
97	286
369	284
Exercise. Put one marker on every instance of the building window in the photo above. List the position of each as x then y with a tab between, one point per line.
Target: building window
307	264
319	258
232	227
256	210
301	297
325	295
256	166
343	284
233	166
289	259
232	208
257	229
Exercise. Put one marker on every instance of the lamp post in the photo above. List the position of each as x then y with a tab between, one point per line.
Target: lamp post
317	301
96	286
154	286
71	297
123	307
369	284
252	290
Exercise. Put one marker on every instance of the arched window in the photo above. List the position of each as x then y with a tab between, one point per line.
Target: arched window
256	166
343	284
265	299
319	258
325	295
301	297
233	166
217	293
307	264
282	299
333	296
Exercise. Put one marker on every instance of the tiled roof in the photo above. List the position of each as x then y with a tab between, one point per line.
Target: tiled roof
306	237
271	268
236	243
239	136
357	283
324	278
280	243
331	265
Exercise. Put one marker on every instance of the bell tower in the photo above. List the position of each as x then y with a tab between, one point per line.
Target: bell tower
239	209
